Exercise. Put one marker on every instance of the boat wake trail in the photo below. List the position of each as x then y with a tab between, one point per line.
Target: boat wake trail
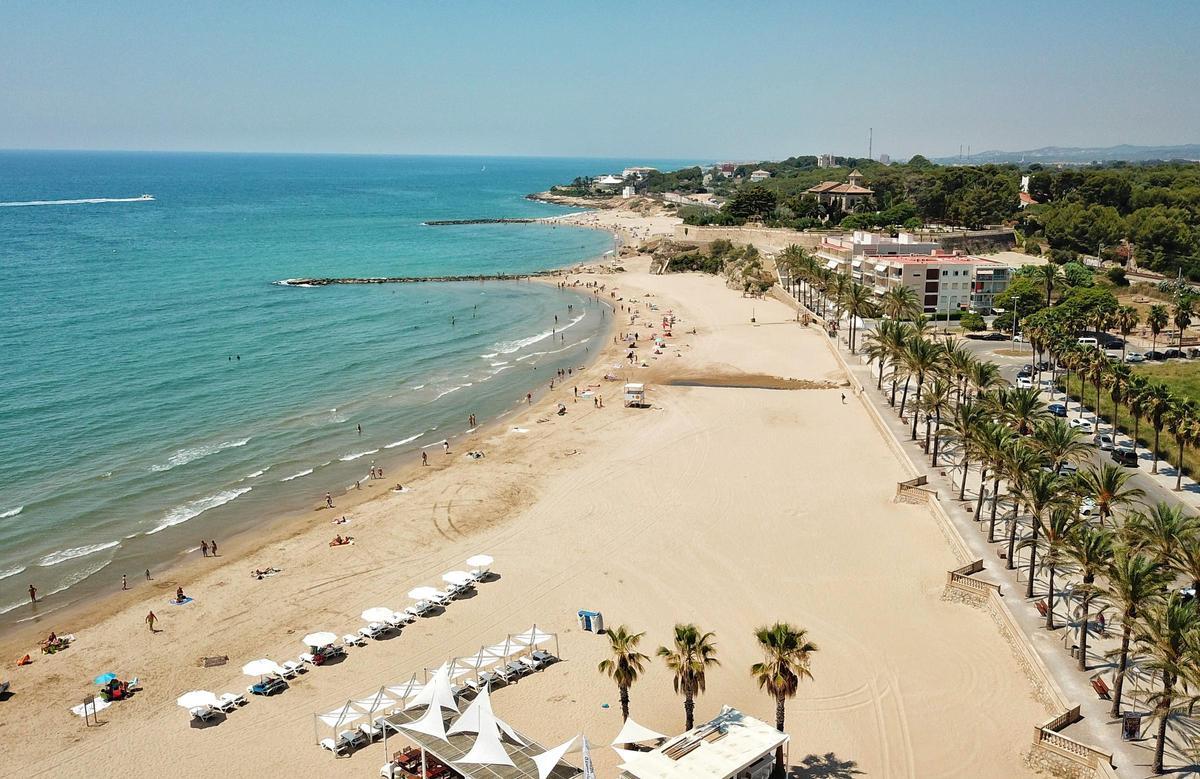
80	202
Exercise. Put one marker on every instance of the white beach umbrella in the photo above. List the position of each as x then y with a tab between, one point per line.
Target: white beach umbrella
456	577
547	760
196	699
320	639
423	593
261	667
480	561
377	614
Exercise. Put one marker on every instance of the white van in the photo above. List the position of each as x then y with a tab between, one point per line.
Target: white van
1089	342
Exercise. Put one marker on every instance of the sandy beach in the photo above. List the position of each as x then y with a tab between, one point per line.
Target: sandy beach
724	505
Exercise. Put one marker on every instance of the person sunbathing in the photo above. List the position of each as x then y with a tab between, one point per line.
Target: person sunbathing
339	541
179	596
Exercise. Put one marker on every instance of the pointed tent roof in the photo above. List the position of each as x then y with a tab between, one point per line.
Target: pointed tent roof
487	749
437	690
633	733
628	755
532	637
854	173
546	761
338	717
430	723
373	703
480	714
405	689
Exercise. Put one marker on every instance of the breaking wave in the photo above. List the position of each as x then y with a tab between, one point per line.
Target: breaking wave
195	508
185	456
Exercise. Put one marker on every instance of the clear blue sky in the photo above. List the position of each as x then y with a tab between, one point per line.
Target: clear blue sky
700	79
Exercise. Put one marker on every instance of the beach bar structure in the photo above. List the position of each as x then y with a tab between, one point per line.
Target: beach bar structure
730	746
635	395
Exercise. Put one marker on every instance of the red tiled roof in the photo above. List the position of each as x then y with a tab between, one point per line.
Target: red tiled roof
1027	199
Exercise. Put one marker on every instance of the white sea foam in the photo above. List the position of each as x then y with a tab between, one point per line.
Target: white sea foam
11	571
452	389
62	555
347	458
419	386
195	508
11	512
489	355
79	576
435	443
498	363
256	474
79	202
508	347
297	475
402	442
185	456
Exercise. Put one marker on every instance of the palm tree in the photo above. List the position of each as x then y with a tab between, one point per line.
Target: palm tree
1158	404
920	358
959	362
1095	368
1181	315
1167	635
1135	582
1127	319
1106	484
1091	549
1006	455
1022	408
1041	492
1060	443
1049	275
1157	318
899	303
984	376
1185	558
692	655
1135	398
626	664
877	348
1161	531
859	303
1056	533
1180	416
934	404
786	655
965	428
1116	380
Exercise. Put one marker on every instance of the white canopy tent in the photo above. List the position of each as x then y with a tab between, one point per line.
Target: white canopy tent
336	720
431	724
633	733
477	716
546	761
372	704
488	749
437	691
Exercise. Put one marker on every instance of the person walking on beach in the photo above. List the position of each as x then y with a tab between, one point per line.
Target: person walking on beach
446	447
424	458
32	594
212	545
329	500
357	484
124	582
843	398
528	398
150	620
204	548
147	574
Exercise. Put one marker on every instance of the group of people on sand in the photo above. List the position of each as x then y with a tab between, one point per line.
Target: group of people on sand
260	573
208	548
340	540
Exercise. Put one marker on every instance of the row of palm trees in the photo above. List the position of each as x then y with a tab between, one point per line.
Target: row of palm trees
786	649
1089	524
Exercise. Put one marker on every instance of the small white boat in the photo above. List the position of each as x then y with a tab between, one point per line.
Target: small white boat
146	197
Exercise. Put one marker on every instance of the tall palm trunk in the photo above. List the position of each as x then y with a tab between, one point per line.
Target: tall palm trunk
995	500
1122	664
1083	633
1179	468
904	397
689	710
779	767
917	405
1157	430
1050	601
1032	556
879	384
979	497
1164	711
937	426
1012	538
624	702
962	488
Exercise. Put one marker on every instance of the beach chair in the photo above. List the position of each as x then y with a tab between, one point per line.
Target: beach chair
543	658
308	657
382	723
370	730
352	639
203	713
133	685
419	609
336	747
230	701
291	668
530	664
398	620
354	738
373	630
516	669
1101	688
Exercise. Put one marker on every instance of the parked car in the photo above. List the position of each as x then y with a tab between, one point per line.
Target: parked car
994	336
1026	370
1105	442
1057	409
1155	355
1135	357
1044	365
1114	343
1088	508
1024	382
1171	354
1082	425
1126	455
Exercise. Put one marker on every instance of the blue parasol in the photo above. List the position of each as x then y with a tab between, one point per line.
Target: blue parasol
104	678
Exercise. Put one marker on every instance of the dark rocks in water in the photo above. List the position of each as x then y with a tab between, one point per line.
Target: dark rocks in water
443	222
314	282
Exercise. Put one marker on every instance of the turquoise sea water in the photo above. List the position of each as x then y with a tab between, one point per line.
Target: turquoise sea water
159	389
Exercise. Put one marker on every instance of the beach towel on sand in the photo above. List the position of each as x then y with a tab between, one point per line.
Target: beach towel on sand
183	602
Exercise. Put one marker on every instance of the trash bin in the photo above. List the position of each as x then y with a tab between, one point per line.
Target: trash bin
1131	726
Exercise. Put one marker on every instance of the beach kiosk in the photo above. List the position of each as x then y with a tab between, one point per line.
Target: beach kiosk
635	395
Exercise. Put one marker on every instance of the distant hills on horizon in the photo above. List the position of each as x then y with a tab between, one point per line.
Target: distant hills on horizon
1077	155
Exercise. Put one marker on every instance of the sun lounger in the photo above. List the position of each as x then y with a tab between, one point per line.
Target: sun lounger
399	620
419	609
530	663
372	630
355	738
543	657
336	747
351	639
516	669
308	657
203	713
382	723
291	668
370	731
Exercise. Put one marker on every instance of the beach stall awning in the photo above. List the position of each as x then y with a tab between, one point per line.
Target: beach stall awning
532	637
373	703
856	264
431	724
633	733
487	749
338	717
437	691
479	714
547	760
405	689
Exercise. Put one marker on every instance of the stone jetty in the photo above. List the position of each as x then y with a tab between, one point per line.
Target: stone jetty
444	222
326	282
